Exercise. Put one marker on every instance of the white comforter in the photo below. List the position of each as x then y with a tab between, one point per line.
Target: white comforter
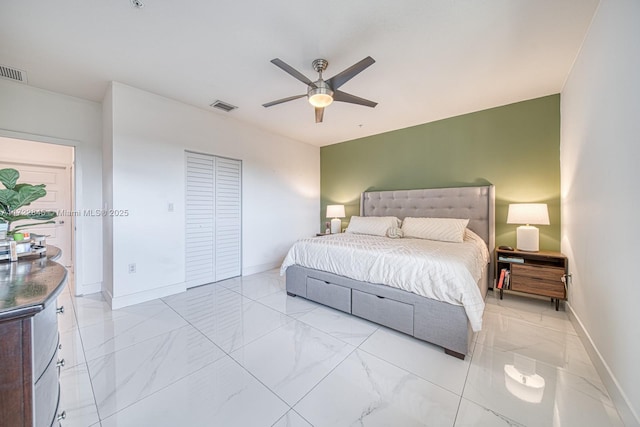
442	271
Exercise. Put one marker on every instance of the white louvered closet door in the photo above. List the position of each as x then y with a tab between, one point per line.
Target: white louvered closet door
228	218
213	219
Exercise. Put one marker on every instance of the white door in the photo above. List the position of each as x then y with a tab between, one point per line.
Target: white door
213	219
228	218
200	220
58	185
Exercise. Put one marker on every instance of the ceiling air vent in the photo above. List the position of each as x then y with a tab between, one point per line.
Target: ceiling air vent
13	74
224	106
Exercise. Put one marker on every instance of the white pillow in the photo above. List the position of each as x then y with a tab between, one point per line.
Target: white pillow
442	229
374	225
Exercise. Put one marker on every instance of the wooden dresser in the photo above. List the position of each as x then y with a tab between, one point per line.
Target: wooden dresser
29	341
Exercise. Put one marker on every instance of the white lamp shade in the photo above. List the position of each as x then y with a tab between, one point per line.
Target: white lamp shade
335	211
528	213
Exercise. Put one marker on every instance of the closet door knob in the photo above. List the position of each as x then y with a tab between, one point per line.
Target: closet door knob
60	310
61	416
60	363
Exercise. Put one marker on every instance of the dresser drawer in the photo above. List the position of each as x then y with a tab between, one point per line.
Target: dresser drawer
384	311
47	395
539	280
45	338
330	294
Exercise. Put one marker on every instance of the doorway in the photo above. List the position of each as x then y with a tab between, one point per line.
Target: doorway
52	165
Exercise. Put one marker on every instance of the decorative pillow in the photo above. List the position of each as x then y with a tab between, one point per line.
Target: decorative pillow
374	225
395	233
442	229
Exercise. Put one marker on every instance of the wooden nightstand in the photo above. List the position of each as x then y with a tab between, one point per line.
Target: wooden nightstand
542	273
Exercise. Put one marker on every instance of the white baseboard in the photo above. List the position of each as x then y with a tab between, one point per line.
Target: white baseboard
88	288
246	271
629	417
143	296
107	296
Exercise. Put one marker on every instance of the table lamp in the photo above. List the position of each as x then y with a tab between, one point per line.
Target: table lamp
527	236
335	212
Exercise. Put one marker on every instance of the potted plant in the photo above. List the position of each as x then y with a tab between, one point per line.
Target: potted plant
16	196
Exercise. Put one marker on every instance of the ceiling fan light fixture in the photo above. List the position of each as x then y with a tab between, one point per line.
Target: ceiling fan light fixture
320	100
320	96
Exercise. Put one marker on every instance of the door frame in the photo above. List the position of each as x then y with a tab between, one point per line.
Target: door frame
76	192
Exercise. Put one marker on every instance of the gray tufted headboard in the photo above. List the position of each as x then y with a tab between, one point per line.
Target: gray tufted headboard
475	203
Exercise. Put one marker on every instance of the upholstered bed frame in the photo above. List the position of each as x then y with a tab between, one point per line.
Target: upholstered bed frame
434	321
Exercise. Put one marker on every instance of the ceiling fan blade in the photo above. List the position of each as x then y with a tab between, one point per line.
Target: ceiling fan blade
338	95
292	71
280	101
319	114
341	78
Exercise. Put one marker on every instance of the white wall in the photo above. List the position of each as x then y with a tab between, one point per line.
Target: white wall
281	190
600	154
34	114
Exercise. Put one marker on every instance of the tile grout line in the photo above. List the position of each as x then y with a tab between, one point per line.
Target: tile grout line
235	361
291	407
93	393
166	386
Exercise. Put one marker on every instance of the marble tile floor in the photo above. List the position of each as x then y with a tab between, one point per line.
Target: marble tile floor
243	353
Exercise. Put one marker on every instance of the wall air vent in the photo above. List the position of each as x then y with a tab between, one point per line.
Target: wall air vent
13	74
224	106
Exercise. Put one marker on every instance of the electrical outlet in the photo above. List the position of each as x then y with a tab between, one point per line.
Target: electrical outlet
132	268
170	207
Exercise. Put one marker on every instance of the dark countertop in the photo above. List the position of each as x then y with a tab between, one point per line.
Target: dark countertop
28	285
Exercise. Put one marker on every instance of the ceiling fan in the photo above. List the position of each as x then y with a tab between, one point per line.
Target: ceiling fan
322	92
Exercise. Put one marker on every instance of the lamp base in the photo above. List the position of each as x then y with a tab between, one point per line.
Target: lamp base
336	225
527	238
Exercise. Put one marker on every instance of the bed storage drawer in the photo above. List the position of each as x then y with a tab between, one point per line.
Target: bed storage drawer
385	311
330	294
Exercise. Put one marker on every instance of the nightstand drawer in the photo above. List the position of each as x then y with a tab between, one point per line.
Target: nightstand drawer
539	280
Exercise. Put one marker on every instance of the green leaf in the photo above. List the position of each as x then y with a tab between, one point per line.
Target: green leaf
9	177
28	194
17	227
13	218
6	196
43	215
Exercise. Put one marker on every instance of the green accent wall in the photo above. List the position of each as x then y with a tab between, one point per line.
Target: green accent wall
516	147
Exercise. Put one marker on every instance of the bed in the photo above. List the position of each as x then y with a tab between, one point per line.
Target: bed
448	324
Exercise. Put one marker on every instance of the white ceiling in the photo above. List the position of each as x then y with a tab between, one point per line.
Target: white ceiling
434	58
